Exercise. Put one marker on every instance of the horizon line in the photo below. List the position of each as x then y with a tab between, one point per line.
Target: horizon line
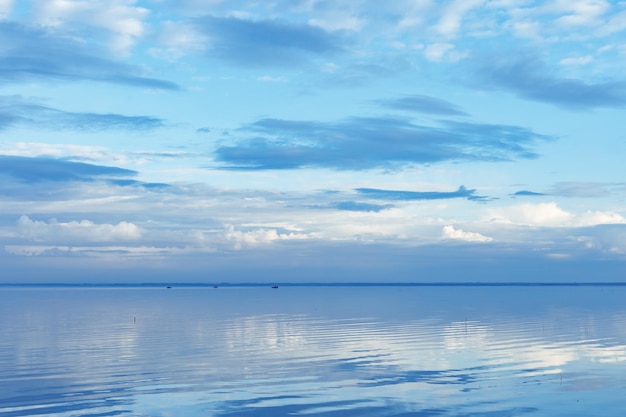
318	284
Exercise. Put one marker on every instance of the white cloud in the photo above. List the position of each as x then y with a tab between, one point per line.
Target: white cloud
562	18
38	250
551	215
578	60
443	51
338	22
580	12
449	232
129	252
88	153
121	18
527	29
542	214
616	23
258	237
414	13
177	39
79	231
5	8
558	255
592	218
436	51
34	149
450	22
270	79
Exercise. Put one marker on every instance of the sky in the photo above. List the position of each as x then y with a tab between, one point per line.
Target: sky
312	141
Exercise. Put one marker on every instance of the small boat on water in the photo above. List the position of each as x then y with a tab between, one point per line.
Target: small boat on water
274	286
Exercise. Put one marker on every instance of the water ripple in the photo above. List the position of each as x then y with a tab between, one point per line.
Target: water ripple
316	352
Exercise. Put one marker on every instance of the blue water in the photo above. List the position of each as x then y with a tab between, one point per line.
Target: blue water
313	351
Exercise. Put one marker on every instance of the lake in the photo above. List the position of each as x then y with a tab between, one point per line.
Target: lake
331	351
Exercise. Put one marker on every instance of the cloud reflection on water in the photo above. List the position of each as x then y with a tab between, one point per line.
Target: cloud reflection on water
409	351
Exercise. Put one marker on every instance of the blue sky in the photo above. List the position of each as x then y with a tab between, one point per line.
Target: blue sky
312	140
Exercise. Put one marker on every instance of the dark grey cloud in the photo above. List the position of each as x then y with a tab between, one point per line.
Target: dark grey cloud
398	195
367	143
32	170
531	79
265	42
424	104
17	110
29	53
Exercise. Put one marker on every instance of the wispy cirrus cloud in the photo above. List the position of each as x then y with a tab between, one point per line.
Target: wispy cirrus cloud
366	143
18	110
43	54
265	42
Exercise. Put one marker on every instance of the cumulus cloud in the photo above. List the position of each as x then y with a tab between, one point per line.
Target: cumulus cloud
542	214
75	231
260	236
551	215
449	232
593	218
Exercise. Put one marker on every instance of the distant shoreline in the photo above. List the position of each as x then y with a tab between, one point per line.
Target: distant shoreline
312	284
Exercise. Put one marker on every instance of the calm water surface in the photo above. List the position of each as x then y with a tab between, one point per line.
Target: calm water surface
313	351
